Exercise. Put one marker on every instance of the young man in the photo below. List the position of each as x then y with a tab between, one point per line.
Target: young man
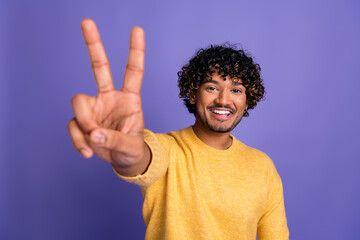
199	182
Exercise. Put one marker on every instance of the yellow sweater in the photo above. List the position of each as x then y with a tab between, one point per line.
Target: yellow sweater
194	191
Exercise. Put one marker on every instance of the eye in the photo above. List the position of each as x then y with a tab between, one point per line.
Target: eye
211	88
237	91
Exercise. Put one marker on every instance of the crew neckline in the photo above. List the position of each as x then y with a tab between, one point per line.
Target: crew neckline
206	148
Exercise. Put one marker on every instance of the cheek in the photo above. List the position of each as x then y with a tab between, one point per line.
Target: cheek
202	99
241	102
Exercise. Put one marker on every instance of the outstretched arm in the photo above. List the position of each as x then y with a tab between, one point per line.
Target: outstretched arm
111	124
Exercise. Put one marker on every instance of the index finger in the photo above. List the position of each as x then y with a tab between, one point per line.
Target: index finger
134	71
99	61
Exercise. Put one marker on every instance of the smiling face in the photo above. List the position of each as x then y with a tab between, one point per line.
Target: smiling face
220	104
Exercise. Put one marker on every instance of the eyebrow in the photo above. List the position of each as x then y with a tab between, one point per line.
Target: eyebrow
216	82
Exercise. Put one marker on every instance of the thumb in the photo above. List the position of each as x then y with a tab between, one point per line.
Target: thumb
115	140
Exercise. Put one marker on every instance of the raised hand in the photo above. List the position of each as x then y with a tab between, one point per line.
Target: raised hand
111	124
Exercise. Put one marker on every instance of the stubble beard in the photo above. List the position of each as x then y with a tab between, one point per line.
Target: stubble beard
221	128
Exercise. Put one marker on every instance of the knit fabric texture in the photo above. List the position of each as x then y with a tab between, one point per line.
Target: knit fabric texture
194	191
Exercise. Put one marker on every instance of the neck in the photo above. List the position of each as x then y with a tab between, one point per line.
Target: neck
214	139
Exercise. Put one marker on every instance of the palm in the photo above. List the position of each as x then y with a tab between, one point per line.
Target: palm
114	115
120	111
111	110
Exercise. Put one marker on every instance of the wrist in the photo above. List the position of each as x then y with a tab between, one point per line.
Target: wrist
134	167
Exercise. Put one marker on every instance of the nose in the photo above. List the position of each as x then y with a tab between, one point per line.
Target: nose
223	98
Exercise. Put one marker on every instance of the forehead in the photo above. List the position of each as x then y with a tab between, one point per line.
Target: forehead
218	79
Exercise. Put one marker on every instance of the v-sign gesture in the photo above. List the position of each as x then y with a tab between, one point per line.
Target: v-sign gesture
111	124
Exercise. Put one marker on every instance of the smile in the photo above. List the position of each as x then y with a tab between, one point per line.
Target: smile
221	112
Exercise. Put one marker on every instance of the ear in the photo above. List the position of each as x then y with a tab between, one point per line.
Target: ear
192	98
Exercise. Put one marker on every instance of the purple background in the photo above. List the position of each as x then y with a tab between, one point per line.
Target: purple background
309	124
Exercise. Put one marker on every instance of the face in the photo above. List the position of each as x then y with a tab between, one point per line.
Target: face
220	104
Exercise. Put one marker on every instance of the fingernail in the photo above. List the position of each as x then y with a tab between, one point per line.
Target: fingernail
85	153
99	138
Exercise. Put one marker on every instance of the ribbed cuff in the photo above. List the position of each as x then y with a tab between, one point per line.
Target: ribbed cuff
158	165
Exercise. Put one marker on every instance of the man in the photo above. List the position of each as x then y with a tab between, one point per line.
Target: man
199	182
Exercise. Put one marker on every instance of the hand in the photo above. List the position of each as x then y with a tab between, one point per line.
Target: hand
111	124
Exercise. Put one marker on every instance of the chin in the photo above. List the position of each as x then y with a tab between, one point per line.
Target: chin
221	129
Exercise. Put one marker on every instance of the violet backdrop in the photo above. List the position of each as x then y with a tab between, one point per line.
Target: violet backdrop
309	52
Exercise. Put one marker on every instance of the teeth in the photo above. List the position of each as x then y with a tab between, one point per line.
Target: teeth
221	112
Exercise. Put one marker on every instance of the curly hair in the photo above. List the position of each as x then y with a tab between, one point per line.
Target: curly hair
226	61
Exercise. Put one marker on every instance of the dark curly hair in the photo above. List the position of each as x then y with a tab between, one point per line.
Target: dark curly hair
226	61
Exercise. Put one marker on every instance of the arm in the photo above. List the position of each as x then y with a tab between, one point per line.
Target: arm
111	124
273	223
159	146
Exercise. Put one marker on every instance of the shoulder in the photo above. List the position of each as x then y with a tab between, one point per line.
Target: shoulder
173	136
260	166
168	140
255	157
150	136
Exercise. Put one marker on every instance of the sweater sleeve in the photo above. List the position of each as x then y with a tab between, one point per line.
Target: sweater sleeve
273	223
159	161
